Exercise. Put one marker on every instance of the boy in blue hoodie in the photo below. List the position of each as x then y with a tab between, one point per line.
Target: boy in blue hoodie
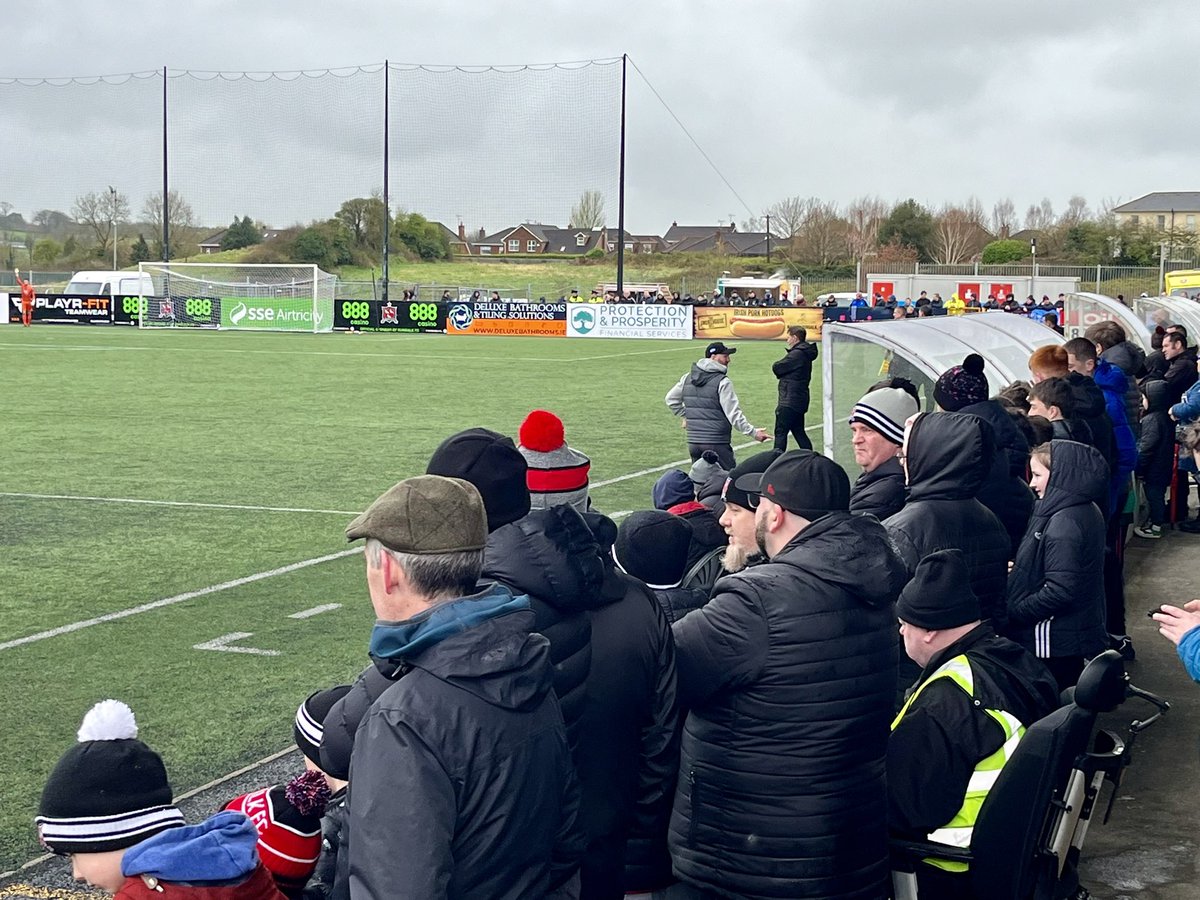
108	805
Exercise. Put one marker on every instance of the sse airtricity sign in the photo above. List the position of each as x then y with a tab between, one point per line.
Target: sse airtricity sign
269	314
664	321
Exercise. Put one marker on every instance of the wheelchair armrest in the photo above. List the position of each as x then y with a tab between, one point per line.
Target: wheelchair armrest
911	852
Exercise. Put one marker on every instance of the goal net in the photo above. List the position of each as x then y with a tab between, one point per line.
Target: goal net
260	297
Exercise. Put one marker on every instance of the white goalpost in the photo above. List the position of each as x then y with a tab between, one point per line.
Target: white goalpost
252	296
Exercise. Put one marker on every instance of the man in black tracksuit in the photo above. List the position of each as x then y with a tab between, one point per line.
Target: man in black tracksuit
961	720
794	372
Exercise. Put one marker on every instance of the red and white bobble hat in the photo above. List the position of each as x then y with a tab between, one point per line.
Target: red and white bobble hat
288	821
557	473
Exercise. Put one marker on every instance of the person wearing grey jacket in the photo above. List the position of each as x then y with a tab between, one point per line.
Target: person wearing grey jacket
705	399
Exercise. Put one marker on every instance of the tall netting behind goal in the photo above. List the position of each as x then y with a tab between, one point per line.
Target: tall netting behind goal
259	297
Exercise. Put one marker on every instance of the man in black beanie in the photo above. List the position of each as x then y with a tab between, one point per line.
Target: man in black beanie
962	719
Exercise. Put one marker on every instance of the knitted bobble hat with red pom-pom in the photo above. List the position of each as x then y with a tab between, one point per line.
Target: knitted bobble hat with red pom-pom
557	473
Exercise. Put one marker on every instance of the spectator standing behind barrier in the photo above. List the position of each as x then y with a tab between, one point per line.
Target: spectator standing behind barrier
976	695
737	516
789	674
652	546
430	815
1114	347
877	431
947	458
674	492
709	406
1005	492
794	372
1185	412
1181	367
1056	587
1156	456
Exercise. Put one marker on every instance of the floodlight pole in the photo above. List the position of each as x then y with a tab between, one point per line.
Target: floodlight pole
621	193
768	239
166	235
112	218
387	210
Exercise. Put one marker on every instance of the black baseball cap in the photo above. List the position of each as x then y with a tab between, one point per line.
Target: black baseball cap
717	347
803	482
734	491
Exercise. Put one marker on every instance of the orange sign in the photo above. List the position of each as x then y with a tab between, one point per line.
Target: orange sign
507	317
755	323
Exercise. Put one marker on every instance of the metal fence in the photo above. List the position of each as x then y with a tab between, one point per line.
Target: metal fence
1111	280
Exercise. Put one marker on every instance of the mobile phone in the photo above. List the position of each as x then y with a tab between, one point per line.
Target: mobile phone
1150	615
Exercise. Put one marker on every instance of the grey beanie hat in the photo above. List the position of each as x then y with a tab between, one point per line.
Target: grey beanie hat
885	410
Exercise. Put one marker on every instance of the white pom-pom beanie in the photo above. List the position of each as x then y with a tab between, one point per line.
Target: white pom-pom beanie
109	791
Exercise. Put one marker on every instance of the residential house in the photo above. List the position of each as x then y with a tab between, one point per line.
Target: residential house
531	238
718	239
212	243
1163	210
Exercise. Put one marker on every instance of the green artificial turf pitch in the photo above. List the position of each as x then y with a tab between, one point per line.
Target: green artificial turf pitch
322	423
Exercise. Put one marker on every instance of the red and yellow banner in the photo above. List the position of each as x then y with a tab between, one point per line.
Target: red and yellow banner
755	323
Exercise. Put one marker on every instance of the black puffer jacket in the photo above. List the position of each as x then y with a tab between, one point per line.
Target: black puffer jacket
781	783
628	756
880	492
1005	491
551	556
1056	589
679	601
949	458
794	372
1180	375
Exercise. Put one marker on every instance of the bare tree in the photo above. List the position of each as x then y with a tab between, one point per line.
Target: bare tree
753	224
958	235
178	214
589	213
52	220
822	235
1039	217
864	216
5	208
1104	211
1076	212
1004	218
788	215
100	211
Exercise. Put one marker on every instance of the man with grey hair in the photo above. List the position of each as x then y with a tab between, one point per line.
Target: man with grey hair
461	781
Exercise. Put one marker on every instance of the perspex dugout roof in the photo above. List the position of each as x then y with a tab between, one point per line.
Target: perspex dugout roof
1084	309
856	355
1155	311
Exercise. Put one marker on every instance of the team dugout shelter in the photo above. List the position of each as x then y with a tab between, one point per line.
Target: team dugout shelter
856	356
1082	309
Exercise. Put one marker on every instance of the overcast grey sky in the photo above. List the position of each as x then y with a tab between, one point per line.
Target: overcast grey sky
933	99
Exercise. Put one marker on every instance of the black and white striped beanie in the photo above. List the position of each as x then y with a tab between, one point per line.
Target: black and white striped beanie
885	410
309	727
109	791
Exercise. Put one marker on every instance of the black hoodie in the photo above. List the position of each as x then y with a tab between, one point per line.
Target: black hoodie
1056	588
1005	492
1156	443
949	459
789	672
1090	408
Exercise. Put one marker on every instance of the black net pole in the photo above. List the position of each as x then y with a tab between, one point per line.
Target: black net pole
166	234
387	208
621	195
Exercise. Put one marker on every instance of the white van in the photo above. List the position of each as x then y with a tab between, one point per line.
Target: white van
111	284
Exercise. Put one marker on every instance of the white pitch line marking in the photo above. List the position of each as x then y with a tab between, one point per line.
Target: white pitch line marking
315	611
283	509
223	643
178	598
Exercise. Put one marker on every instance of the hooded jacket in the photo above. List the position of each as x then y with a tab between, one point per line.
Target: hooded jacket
1187	410
1056	588
461	781
628	755
1130	359
1114	386
789	673
1180	374
1005	491
881	491
1156	443
1092	409
706	399
949	459
943	735
215	860
794	372
551	556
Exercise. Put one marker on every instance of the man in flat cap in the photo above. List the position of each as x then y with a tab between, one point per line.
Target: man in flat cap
961	721
789	673
461	782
